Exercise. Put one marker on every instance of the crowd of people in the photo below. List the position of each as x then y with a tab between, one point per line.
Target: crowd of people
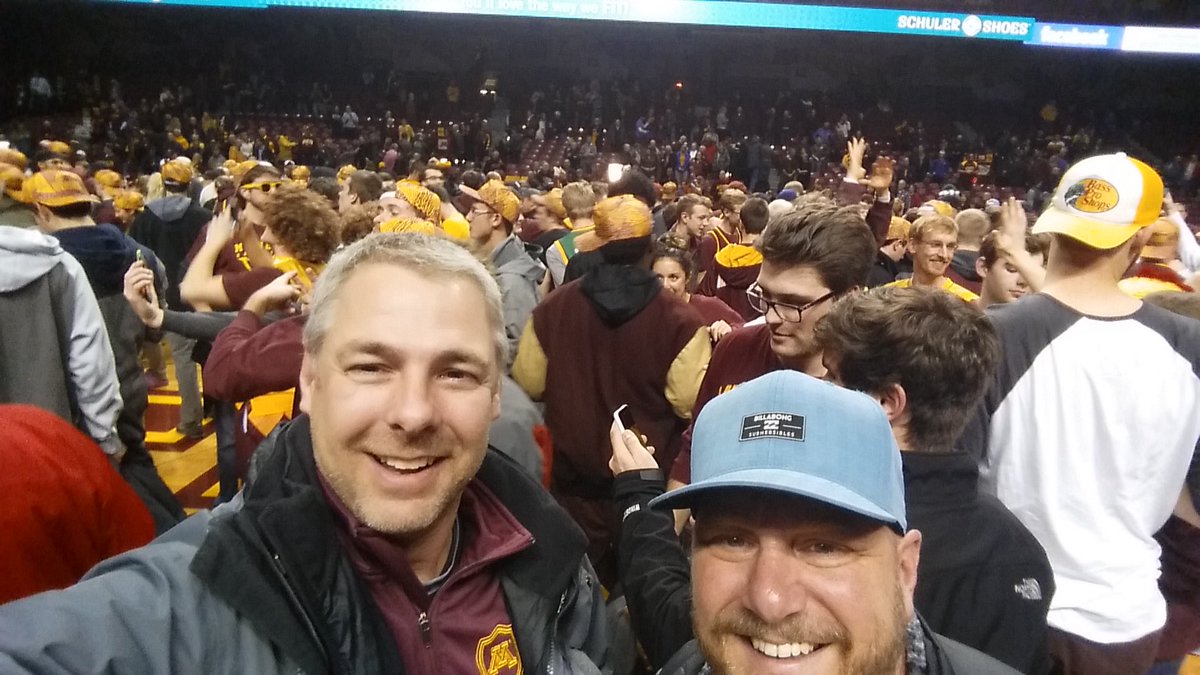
769	396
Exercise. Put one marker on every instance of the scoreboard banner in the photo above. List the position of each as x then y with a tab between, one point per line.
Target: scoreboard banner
745	14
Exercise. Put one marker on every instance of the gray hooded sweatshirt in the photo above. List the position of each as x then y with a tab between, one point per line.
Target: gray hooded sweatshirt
54	348
518	276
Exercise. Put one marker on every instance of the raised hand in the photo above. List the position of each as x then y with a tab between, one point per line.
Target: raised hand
220	228
882	171
1010	236
855	149
139	291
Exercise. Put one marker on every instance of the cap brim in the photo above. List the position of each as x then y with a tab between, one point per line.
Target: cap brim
790	482
1167	252
1096	234
469	194
587	242
67	201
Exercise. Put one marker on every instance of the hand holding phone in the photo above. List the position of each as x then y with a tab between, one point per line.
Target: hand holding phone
623	418
630	452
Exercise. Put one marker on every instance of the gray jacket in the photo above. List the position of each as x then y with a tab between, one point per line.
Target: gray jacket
514	432
261	585
518	276
54	347
15	214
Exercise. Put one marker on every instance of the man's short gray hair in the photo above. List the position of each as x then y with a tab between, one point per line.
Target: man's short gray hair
429	256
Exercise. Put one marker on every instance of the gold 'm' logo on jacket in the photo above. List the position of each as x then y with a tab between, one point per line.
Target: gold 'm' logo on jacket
497	653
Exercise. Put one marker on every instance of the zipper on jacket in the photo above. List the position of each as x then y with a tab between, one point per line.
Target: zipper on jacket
277	565
562	602
424	623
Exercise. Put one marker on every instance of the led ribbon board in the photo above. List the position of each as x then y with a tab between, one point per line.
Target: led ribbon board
1163	40
687	12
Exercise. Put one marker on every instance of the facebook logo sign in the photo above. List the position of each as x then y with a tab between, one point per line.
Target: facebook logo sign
1076	35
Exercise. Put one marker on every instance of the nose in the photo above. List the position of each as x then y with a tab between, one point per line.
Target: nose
410	406
775	589
772	317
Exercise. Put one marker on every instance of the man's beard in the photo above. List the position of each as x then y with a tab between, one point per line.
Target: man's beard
884	654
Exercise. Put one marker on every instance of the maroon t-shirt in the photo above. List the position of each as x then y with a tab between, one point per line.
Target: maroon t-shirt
237	277
740	357
465	626
712	310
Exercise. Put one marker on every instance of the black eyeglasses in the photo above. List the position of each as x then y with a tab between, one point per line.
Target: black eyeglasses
787	312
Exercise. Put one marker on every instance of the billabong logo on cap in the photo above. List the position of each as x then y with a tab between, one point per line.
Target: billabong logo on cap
1092	195
772	425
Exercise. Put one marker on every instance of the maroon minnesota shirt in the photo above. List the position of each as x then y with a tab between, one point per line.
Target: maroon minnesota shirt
740	357
465	626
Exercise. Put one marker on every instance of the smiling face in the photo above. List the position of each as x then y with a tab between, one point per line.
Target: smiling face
672	276
400	418
825	592
1002	283
932	253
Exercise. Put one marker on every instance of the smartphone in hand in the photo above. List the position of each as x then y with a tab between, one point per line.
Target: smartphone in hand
623	418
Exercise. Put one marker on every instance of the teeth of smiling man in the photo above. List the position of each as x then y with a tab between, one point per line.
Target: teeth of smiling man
401	465
784	651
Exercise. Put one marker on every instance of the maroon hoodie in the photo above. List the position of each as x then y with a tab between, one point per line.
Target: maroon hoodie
737	268
464	627
248	360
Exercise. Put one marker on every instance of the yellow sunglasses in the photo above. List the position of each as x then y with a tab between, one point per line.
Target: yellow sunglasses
266	186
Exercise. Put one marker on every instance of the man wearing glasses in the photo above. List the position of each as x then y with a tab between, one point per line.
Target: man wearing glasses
810	256
933	242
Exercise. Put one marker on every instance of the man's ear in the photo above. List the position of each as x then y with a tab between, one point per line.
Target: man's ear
981	267
308	375
908	552
894	401
41	216
1138	241
496	409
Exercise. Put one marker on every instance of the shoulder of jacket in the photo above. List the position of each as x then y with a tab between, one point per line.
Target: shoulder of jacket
964	660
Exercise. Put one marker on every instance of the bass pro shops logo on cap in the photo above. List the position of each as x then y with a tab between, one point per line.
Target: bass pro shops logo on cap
1092	195
787	426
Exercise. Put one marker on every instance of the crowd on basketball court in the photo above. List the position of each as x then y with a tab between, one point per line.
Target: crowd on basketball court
675	421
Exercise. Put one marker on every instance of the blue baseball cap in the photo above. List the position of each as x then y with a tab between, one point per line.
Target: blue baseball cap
789	432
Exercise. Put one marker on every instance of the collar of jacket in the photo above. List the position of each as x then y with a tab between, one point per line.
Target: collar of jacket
887	263
940	478
277	561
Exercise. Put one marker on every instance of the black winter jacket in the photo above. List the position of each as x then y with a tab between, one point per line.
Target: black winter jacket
277	561
984	579
954	584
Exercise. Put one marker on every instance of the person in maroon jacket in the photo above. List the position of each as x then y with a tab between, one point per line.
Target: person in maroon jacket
737	265
810	257
675	269
615	337
727	230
